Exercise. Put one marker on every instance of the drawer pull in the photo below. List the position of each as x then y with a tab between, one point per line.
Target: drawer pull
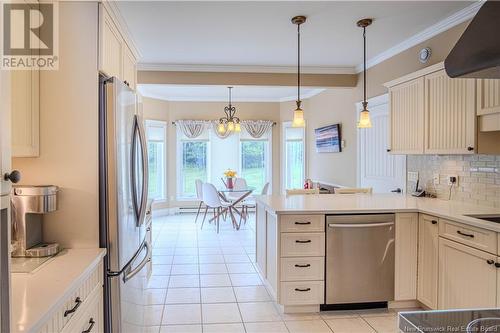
303	290
464	234
303	266
490	262
434	222
91	326
302	223
78	302
303	241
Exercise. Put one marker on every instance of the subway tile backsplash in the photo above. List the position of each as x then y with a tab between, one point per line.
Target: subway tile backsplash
478	177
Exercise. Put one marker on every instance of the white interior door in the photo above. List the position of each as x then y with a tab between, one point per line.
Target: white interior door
376	167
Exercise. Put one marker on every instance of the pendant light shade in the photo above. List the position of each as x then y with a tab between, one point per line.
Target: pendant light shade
298	114
364	116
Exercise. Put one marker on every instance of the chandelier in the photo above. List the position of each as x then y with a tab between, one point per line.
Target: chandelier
230	122
298	114
364	116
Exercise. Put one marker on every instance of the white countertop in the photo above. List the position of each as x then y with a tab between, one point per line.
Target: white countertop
36	295
377	203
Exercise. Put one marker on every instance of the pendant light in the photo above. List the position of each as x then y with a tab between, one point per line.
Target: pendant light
364	116
298	114
230	122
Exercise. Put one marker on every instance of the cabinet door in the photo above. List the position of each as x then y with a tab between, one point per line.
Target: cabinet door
25	119
467	277
5	130
450	119
129	69
110	45
407	117
406	243
272	253
428	234
488	96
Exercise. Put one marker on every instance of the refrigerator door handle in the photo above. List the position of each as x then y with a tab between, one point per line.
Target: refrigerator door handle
145	170
133	170
131	272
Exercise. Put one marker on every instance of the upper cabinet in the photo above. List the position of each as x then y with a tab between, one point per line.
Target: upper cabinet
407	117
434	114
450	119
488	105
117	56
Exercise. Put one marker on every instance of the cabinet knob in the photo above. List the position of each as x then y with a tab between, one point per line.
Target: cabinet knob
14	176
434	222
388	150
490	262
470	148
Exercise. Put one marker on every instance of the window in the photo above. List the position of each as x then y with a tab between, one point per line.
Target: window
156	135
294	156
194	166
255	161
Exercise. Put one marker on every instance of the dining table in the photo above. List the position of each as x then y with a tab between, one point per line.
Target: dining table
234	196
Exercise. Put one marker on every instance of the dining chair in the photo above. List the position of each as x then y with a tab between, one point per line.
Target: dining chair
296	191
212	199
199	196
353	190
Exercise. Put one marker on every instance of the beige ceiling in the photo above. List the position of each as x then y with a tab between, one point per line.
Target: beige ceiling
259	33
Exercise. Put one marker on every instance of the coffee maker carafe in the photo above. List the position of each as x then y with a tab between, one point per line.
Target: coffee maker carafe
29	203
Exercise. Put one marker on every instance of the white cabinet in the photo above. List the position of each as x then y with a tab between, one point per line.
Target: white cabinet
450	119
116	56
428	235
407	117
25	113
110	45
406	239
260	245
5	130
272	264
434	114
92	317
467	277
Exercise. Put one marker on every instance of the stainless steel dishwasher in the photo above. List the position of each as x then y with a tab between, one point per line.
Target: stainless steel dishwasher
359	258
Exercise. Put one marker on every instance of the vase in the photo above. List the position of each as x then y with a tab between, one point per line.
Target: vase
229	183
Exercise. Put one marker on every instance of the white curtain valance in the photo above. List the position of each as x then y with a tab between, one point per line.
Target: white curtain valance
192	128
257	128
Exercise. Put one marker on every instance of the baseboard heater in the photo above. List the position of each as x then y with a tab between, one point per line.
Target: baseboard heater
353	306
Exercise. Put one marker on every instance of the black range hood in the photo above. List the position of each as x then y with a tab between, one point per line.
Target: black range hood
477	52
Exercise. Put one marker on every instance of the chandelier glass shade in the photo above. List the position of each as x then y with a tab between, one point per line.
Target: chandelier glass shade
229	123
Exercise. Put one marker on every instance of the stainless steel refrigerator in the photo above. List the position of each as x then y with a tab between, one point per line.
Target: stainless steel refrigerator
123	188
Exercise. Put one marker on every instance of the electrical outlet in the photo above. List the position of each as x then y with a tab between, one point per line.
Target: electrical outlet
412	176
435	179
452	179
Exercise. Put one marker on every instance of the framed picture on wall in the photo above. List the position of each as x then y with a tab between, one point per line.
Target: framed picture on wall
328	139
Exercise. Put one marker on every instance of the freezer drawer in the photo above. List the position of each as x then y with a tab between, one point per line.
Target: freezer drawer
360	258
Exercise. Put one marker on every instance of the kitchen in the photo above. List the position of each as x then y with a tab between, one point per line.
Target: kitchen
66	132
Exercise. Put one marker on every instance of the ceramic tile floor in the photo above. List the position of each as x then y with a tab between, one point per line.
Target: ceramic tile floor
206	282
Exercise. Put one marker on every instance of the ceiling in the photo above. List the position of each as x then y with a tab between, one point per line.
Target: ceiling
220	93
259	33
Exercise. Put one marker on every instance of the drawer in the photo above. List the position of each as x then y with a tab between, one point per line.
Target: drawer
302	223
310	244
302	293
91	318
303	269
479	238
75	303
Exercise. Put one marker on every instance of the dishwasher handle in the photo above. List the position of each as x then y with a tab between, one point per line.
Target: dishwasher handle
359	225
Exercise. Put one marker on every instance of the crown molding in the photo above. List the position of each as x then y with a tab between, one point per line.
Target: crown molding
451	21
244	69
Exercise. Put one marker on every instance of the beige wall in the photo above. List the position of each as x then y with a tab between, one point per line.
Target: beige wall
69	131
171	111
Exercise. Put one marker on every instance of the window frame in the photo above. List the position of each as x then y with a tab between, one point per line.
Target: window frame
163	125
180	196
285	125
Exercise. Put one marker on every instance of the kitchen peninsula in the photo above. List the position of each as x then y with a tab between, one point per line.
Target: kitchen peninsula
448	245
